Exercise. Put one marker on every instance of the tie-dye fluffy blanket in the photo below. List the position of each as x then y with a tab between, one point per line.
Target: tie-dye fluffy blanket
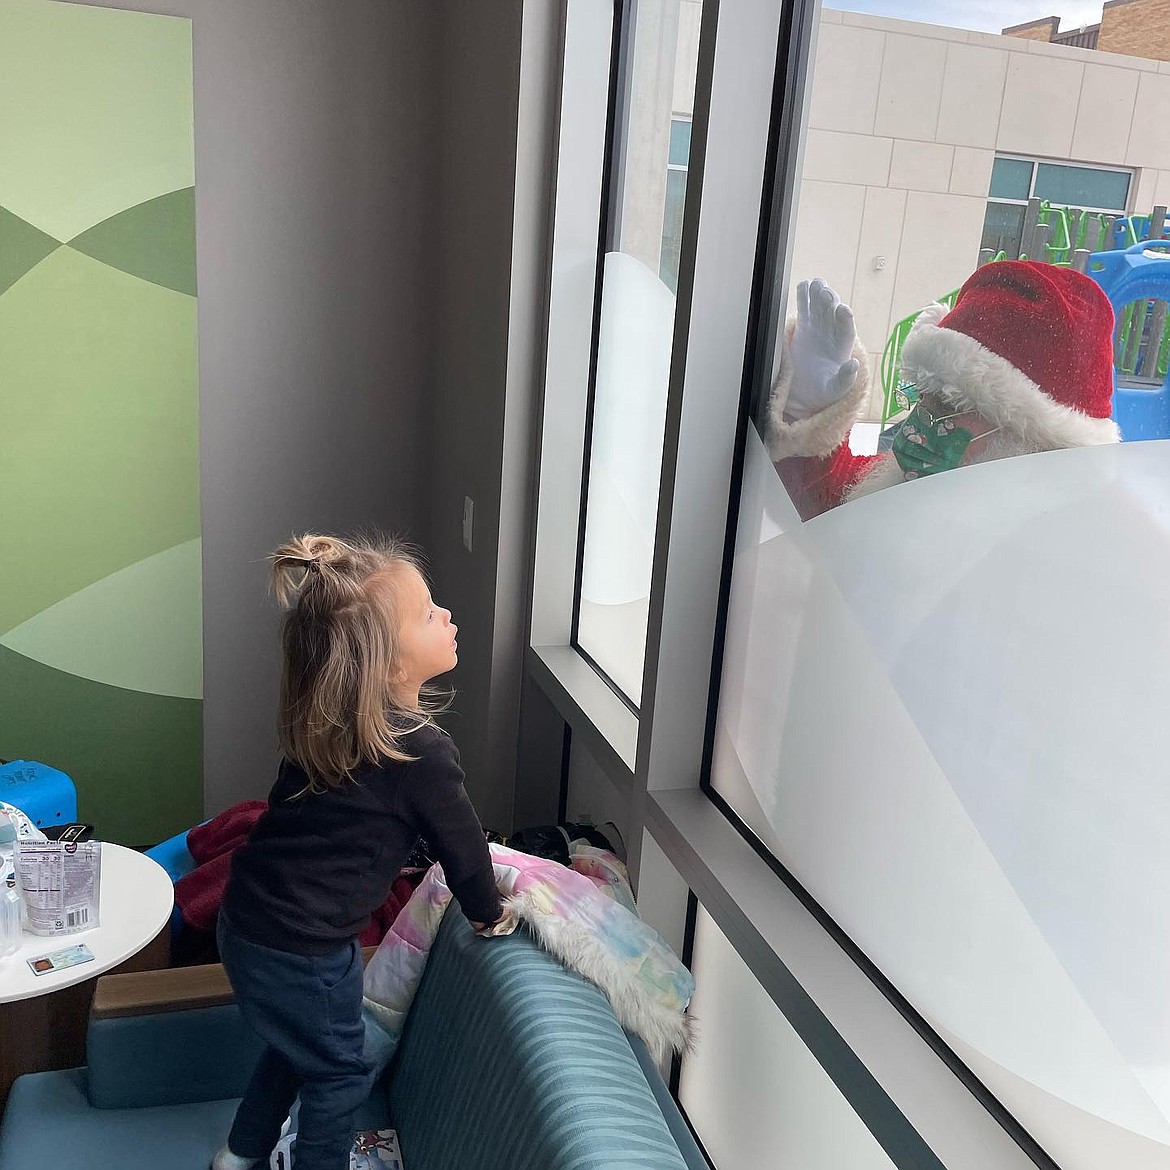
583	915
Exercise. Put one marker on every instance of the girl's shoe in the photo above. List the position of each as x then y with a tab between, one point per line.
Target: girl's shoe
226	1160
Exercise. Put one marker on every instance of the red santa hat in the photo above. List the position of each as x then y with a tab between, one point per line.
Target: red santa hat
1027	345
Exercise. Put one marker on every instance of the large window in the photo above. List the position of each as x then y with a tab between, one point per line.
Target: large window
935	656
654	76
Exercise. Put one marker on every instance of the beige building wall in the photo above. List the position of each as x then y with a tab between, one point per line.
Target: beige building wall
905	122
662	83
651	93
690	15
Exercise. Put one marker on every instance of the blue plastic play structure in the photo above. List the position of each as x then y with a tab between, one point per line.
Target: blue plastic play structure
47	797
1137	273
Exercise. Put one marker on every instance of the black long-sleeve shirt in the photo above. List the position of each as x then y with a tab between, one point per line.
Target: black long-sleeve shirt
317	865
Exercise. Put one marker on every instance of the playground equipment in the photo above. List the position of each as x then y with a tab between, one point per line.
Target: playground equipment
1128	257
895	388
1134	280
1060	232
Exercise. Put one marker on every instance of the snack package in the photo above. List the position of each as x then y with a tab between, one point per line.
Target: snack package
61	885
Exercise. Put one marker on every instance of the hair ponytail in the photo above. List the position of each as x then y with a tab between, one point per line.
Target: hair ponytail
302	557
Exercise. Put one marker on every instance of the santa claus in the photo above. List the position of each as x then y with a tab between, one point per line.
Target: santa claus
1022	363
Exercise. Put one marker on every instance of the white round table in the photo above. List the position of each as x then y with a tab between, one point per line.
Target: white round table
43	1019
136	901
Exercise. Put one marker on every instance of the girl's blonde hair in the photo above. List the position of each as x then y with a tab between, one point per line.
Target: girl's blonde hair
338	703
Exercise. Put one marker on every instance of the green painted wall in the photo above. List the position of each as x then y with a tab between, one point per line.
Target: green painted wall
100	606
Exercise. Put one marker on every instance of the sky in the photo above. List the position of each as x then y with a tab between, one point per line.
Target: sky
987	15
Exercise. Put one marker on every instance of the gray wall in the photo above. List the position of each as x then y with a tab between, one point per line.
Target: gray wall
315	173
497	84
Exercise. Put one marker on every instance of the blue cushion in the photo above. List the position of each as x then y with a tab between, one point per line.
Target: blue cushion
176	1057
169	1058
510	1062
50	1123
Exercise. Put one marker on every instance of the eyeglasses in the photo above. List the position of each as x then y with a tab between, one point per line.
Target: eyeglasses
934	419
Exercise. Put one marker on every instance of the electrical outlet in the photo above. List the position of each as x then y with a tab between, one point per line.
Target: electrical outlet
468	519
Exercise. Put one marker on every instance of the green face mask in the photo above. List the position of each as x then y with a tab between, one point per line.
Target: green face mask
927	445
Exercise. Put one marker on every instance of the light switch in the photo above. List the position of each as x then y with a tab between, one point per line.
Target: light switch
468	517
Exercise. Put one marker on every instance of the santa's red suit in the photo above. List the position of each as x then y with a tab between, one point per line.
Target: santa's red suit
1028	346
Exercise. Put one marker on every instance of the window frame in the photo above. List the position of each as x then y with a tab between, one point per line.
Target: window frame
580	133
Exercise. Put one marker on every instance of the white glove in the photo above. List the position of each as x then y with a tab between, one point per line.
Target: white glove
824	368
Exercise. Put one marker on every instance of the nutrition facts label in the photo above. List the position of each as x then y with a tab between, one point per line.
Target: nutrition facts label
60	884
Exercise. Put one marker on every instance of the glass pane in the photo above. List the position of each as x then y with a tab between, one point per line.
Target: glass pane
634	344
940	703
680	142
1011	178
1002	227
754	1093
1082	186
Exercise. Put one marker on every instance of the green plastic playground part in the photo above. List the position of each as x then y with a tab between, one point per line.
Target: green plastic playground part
895	399
1074	229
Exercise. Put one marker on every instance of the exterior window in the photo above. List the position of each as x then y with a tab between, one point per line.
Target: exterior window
676	189
1016	180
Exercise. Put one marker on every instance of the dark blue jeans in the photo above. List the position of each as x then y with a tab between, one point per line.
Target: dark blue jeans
308	1010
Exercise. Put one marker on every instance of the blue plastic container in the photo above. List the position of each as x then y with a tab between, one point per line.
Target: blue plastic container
46	796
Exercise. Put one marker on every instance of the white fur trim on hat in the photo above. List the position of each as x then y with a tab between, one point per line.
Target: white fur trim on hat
821	433
931	315
971	376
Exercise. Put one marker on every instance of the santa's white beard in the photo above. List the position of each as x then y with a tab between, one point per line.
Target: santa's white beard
885	472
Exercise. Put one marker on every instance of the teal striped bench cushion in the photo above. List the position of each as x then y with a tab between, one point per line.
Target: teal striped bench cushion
509	1062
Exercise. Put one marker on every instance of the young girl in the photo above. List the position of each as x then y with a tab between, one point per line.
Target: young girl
366	771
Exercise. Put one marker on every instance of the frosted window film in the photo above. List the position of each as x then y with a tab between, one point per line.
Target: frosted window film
629	417
942	708
755	1094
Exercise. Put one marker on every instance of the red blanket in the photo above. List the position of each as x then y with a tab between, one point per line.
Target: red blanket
200	892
